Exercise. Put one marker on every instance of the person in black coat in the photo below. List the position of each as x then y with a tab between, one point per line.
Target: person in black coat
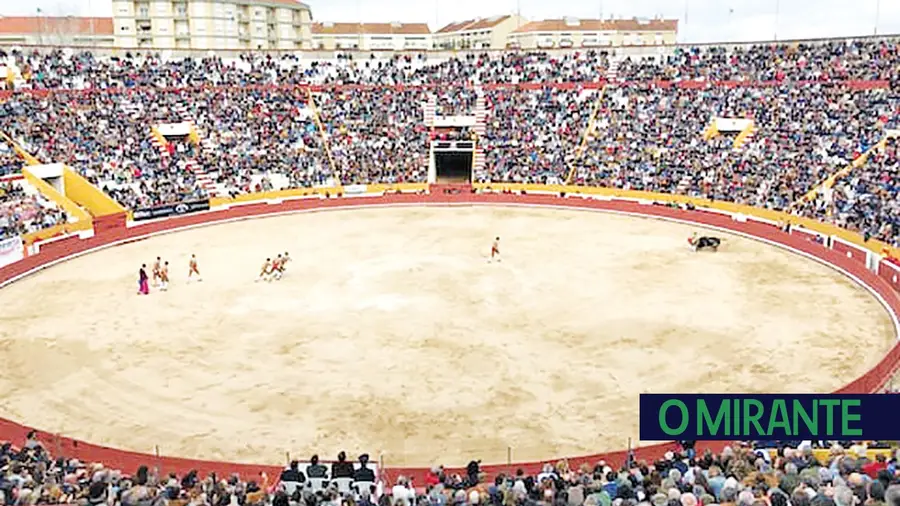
293	473
316	470
364	473
341	468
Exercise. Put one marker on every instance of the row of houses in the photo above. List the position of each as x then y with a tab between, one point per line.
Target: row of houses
288	25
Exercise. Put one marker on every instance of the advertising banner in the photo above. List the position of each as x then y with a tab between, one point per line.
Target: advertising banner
11	250
186	207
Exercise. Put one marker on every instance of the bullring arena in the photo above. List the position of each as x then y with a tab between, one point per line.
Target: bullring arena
392	333
386	176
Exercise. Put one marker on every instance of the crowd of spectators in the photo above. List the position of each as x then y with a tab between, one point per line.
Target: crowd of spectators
21	213
9	160
743	474
376	135
532	135
866	60
649	138
258	130
867	200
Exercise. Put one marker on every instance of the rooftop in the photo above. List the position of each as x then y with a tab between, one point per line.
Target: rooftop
68	25
474	24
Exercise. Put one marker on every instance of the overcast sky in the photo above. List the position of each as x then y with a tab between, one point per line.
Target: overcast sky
701	20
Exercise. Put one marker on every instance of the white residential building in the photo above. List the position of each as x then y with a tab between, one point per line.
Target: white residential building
484	33
212	24
572	32
372	36
55	31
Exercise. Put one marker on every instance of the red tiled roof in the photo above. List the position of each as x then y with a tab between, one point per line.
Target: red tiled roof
455	27
584	25
294	3
483	24
11	25
474	24
370	28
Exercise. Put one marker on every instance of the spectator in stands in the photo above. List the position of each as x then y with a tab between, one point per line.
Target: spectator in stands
401	493
342	468
293	473
364	473
316	470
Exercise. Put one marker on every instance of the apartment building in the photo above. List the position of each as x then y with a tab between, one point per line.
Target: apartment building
571	32
55	31
372	36
482	33
212	24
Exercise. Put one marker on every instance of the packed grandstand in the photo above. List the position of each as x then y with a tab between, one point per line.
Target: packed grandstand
816	108
265	122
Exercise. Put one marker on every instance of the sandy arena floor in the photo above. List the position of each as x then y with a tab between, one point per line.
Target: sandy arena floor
392	334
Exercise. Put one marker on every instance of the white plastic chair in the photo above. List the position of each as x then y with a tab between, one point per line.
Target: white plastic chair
344	485
366	486
317	484
291	486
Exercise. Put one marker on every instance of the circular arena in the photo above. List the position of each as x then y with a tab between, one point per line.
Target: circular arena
391	330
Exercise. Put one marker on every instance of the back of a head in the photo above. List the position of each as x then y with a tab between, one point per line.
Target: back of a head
892	495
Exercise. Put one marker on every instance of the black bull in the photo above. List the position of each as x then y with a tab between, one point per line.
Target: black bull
707	242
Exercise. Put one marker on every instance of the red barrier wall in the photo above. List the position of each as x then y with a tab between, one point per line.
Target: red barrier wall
850	251
128	461
890	273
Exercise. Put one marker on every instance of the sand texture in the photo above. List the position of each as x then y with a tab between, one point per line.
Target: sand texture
392	334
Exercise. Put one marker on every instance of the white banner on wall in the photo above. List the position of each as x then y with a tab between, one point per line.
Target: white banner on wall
731	124
11	250
354	189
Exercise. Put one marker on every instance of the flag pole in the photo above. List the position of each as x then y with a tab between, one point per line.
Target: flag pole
877	15
777	10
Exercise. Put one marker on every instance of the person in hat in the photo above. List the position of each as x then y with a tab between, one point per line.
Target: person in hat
364	473
342	468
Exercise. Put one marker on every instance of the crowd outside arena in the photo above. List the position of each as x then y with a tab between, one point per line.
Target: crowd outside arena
259	132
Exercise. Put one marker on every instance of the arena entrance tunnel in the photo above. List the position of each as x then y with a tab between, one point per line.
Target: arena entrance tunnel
63	249
452	162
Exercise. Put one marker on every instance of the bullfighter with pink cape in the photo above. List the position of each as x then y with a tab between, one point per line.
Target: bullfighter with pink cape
143	283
